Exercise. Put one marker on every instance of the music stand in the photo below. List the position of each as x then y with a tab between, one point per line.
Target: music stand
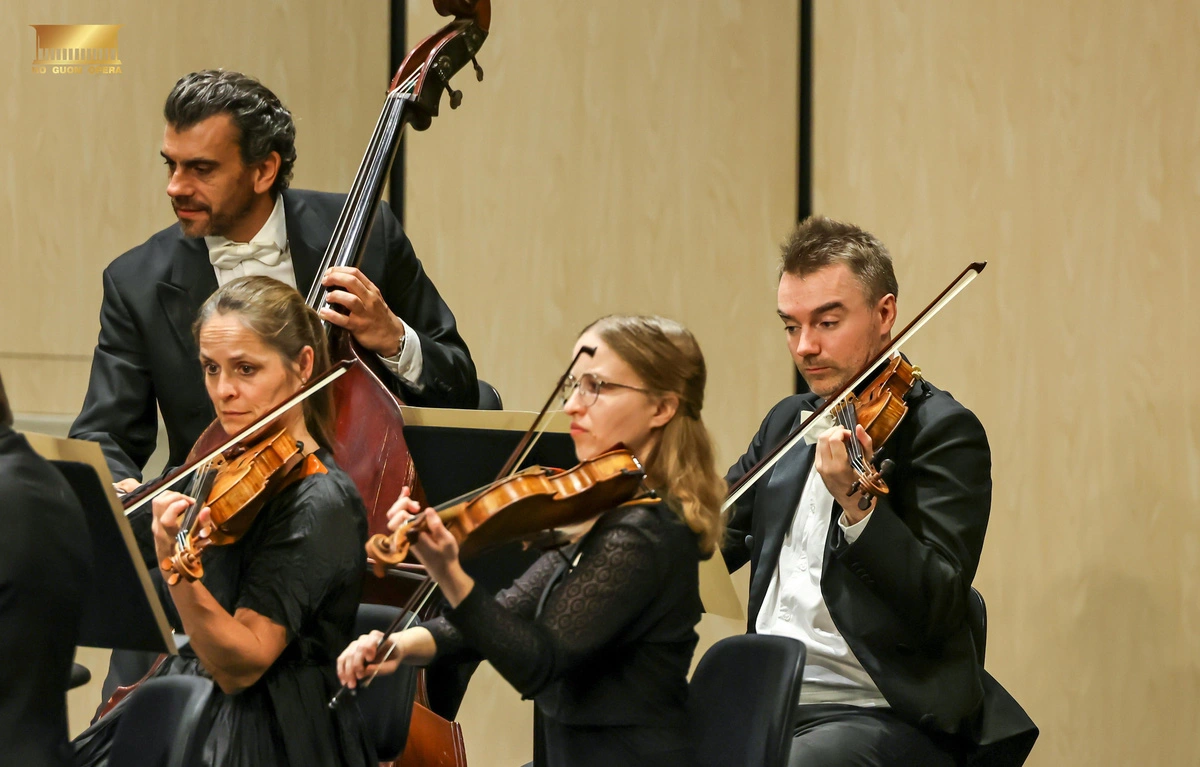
122	609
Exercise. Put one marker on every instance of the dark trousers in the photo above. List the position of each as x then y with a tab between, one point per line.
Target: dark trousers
829	735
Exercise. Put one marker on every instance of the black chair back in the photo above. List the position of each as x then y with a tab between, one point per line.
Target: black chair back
489	398
163	724
80	675
742	699
386	704
977	619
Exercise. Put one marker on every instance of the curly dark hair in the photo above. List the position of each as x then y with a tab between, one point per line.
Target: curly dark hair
264	124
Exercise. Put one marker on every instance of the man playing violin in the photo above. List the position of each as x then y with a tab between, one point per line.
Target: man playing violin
272	609
229	150
879	595
599	634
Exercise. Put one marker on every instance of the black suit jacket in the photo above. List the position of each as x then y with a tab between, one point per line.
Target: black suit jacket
45	560
146	358
899	593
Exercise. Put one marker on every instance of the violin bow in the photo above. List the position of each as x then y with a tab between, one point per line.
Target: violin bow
756	472
315	385
531	436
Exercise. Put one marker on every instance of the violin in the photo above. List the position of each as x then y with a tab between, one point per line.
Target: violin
520	505
235	486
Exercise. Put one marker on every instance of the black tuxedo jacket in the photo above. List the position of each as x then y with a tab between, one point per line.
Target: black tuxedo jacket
146	358
45	556
899	593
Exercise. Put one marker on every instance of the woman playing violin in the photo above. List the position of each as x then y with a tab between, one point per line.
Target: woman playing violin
599	633
271	609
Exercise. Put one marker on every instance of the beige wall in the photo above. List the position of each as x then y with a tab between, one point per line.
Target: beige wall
80	174
1061	143
618	157
640	157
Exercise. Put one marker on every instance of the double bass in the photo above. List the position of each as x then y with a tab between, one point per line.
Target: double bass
369	433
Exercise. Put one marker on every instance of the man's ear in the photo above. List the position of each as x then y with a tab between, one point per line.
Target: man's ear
667	406
886	310
266	172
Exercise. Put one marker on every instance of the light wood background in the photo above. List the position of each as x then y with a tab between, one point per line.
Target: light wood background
1061	143
640	157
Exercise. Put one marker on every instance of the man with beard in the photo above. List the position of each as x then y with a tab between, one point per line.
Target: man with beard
879	596
229	150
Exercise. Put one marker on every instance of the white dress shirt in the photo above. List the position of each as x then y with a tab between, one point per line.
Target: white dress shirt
794	606
267	254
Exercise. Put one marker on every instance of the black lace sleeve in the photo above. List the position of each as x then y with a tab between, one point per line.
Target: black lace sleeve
612	583
520	598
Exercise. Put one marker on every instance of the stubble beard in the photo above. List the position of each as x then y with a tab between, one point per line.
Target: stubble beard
219	223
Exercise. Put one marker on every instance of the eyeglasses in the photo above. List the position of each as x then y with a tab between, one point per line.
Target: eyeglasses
589	387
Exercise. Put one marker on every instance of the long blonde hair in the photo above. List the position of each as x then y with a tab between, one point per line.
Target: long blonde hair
665	355
278	315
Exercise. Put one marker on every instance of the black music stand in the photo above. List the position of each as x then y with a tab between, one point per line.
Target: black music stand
122	609
456	451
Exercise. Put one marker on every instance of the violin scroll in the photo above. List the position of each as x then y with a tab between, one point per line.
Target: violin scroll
185	562
387	551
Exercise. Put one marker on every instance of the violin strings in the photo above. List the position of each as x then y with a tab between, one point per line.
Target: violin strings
362	180
189	517
847	418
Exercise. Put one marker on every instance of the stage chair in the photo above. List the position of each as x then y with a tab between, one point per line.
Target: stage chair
489	398
79	676
162	723
742	698
977	620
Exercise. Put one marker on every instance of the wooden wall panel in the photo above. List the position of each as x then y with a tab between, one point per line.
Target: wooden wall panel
79	167
1061	143
618	157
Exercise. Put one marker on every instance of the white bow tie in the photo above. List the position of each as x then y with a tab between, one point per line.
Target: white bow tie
229	254
818	427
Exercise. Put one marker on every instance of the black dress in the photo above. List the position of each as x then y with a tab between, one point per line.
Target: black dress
600	635
300	565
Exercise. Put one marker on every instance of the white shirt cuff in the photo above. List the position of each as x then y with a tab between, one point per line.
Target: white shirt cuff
407	364
853	531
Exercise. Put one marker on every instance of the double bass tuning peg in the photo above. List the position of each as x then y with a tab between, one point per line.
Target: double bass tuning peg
455	96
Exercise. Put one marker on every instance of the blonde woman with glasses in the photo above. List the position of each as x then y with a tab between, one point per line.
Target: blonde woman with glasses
600	633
